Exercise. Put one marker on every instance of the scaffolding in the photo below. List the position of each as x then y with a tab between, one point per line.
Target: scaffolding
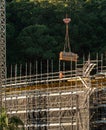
77	101
2	47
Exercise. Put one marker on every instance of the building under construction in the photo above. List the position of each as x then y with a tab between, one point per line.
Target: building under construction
46	101
72	98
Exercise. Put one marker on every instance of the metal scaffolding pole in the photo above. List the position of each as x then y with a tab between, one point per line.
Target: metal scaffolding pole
2	47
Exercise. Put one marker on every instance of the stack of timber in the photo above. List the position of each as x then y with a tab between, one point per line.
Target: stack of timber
68	56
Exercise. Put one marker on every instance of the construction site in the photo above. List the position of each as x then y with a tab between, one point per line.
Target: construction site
71	98
77	101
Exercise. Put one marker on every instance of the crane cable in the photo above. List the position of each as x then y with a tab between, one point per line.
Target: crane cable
67	41
67	47
67	55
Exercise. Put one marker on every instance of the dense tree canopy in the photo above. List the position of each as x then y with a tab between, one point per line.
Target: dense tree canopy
35	29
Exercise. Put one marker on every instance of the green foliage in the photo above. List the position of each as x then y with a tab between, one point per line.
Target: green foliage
36	41
35	29
3	120
10	123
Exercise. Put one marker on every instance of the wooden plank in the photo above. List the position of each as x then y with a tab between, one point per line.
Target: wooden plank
68	56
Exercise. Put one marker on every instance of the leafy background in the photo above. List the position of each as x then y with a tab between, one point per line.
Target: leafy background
35	29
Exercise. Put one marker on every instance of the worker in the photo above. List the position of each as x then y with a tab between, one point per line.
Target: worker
61	75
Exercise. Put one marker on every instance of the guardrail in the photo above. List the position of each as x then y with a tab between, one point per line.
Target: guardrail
39	78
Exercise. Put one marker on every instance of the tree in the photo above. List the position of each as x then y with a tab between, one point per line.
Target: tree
37	43
87	28
10	123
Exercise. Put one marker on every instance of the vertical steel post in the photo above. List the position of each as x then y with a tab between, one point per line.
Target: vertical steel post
2	47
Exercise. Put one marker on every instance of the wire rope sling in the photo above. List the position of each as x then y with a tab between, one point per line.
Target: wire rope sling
66	54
